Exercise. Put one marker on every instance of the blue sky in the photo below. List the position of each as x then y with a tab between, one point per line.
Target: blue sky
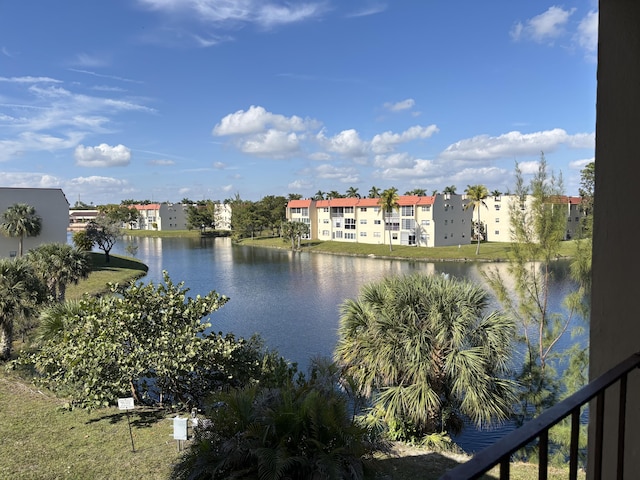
206	99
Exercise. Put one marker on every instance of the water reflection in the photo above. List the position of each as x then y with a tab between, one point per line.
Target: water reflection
292	299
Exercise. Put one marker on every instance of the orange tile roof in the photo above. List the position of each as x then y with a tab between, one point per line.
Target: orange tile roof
306	202
151	206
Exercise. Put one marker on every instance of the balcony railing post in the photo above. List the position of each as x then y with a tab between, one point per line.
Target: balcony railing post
575	444
621	426
597	462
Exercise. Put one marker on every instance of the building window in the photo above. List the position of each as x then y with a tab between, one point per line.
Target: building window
394	236
426	208
348	209
407	211
337	234
304	211
350	223
295	210
376	209
393	226
497	232
363	209
325	209
326	220
363	234
426	222
338	224
363	221
497	220
377	222
408	223
569	219
497	207
325	233
446	221
350	236
376	234
577	219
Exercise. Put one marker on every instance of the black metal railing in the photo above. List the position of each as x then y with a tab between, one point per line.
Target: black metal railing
500	452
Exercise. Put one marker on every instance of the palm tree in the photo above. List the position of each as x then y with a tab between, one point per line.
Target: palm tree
58	265
426	354
20	293
352	192
477	194
496	193
334	194
374	192
389	203
319	195
451	190
20	220
419	192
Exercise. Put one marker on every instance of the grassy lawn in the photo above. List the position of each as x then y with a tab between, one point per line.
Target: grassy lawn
489	251
120	269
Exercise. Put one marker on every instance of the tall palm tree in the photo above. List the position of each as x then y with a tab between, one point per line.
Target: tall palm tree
451	190
352	192
496	193
319	195
477	194
58	265
20	220
374	192
334	194
419	192
426	353
389	202
20	293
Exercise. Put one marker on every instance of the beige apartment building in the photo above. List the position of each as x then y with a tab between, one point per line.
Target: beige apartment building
51	206
496	216
429	221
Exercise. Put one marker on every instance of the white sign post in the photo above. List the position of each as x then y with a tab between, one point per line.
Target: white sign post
180	430
127	404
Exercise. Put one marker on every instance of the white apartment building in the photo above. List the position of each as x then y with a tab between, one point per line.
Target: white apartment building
223	216
51	206
161	216
496	216
429	221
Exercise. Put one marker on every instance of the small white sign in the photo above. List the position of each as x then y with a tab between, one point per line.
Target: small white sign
180	428
126	403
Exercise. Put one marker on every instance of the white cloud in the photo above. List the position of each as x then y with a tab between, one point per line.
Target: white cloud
272	143
299	185
580	164
30	180
341	174
258	119
396	160
587	34
266	14
102	155
347	143
385	142
161	162
29	80
219	165
368	10
529	168
545	27
320	156
399	106
87	60
514	144
30	141
226	188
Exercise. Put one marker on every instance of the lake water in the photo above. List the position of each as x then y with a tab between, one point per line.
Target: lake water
292	299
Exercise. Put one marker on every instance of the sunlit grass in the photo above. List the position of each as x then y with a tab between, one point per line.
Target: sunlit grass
119	270
489	251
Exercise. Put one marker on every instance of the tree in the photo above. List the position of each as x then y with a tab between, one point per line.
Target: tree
21	291
121	214
20	220
476	194
450	190
299	430
334	194
319	195
82	241
352	192
294	231
388	203
294	196
538	225
420	192
496	193
374	192
145	341
58	265
104	232
426	354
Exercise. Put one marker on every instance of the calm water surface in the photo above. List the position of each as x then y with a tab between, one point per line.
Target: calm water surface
291	299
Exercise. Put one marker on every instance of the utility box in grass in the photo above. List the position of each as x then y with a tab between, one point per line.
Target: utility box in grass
180	428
